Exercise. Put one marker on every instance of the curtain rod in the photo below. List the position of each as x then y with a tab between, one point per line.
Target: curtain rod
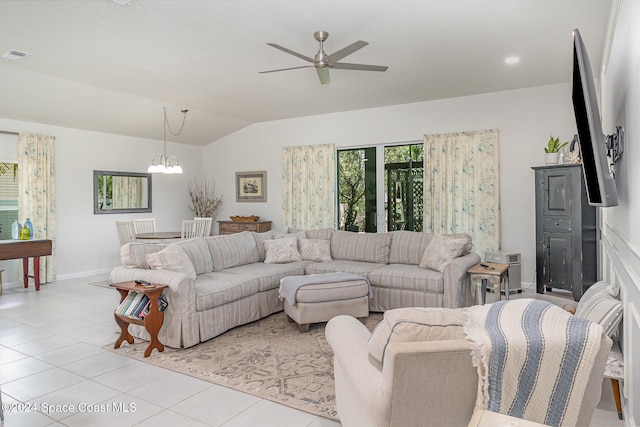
406	142
8	132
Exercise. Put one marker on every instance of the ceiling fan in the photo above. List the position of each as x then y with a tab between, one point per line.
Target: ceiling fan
322	62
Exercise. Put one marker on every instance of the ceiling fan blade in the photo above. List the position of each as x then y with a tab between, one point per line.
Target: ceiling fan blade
337	56
363	67
285	69
291	52
323	73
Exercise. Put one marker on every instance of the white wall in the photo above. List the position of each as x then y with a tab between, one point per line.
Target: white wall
525	119
88	243
620	244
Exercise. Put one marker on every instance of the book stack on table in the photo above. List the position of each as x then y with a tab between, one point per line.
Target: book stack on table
136	305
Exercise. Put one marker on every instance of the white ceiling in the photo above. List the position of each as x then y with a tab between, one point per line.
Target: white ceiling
101	66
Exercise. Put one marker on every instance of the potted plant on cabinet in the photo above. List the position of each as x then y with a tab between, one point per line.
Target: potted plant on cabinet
552	150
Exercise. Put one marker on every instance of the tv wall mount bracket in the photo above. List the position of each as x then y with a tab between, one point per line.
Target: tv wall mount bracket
615	147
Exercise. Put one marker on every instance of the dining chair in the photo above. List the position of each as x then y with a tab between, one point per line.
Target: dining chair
147	225
125	232
208	221
189	230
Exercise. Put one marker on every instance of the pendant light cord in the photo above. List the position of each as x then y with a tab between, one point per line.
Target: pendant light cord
166	121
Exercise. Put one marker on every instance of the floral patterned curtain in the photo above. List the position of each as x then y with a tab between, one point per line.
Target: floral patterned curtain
127	192
37	193
462	186
308	186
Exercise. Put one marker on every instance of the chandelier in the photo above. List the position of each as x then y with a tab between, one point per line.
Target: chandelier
167	164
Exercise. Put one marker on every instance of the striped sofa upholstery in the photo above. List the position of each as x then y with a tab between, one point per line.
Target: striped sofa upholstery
234	286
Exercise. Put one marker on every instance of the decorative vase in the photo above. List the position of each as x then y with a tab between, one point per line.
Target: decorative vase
551	158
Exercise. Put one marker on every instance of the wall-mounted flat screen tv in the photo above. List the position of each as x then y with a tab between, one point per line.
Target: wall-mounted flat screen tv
601	186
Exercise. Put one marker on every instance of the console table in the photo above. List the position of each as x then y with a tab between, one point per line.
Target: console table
232	227
25	249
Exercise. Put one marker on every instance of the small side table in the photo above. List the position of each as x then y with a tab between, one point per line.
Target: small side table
489	272
614	370
152	321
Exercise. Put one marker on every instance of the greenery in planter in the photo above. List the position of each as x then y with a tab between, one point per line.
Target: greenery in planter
204	200
554	145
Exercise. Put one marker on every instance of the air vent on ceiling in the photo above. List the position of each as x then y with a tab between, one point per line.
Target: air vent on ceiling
14	55
122	2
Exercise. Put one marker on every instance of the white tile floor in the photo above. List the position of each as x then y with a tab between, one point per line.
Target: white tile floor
51	357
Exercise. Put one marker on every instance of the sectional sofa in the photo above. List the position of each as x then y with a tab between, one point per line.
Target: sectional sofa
219	282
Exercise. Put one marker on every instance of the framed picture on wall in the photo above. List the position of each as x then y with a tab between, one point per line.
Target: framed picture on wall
251	186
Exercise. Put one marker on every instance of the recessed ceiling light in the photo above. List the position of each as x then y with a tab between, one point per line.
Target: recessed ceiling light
14	55
512	60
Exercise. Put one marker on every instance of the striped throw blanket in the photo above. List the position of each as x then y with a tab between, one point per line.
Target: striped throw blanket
534	359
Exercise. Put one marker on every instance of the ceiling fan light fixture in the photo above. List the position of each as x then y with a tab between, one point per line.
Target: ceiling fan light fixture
323	62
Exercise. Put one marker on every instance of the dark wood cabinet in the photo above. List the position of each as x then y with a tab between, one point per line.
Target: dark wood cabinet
566	241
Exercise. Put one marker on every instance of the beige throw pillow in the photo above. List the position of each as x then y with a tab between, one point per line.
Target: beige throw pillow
282	250
315	249
443	248
172	258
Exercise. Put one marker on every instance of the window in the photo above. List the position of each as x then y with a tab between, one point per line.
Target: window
396	188
8	198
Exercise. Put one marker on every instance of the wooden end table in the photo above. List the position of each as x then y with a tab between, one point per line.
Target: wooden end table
152	321
483	273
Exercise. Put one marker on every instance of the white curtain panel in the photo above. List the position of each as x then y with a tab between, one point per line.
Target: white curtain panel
127	192
462	186
308	186
37	194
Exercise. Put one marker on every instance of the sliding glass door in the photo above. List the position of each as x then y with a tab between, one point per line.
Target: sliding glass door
404	177
357	190
380	188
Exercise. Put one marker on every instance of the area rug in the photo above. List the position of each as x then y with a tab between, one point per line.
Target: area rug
101	283
268	358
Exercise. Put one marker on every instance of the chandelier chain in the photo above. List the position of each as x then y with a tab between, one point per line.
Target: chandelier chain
166	121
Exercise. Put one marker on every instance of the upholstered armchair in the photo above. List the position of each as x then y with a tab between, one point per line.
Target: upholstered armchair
426	381
420	384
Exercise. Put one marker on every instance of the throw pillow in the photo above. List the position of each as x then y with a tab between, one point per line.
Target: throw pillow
315	249
598	288
416	324
172	258
260	238
283	250
602	309
442	249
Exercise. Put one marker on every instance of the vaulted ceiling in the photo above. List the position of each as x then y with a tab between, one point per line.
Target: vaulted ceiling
102	66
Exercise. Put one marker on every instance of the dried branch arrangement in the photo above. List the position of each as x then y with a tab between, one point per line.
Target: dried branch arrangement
204	200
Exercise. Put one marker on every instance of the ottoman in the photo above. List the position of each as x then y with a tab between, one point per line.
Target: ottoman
320	302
